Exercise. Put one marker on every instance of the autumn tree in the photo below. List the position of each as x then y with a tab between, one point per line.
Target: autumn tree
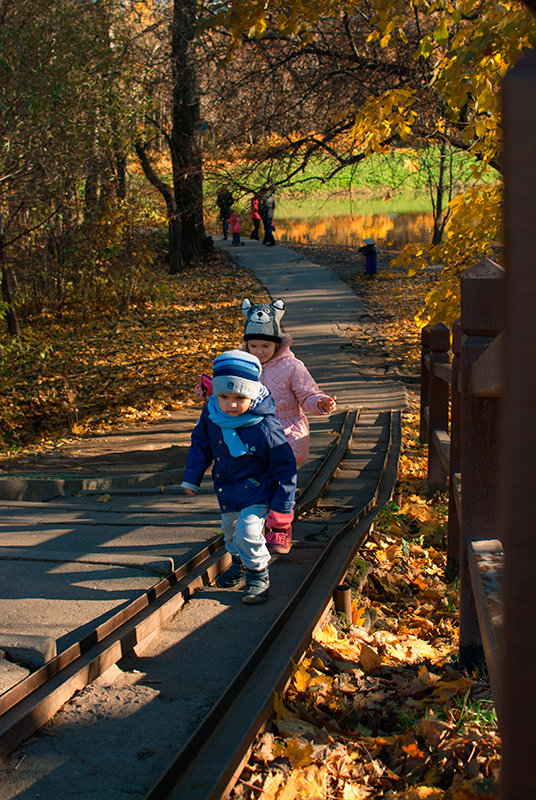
373	76
63	129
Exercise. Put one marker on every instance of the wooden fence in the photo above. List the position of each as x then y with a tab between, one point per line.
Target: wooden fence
460	423
478	416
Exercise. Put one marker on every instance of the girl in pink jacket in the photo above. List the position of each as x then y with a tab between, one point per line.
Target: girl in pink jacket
294	391
234	222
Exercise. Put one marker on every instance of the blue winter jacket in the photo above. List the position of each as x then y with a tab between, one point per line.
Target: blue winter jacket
265	475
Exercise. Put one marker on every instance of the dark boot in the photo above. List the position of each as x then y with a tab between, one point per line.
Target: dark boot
232	576
257	586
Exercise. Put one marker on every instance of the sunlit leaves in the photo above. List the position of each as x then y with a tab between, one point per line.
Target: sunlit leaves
383	117
128	366
450	62
473	232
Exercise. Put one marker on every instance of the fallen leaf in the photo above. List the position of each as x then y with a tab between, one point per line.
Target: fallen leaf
298	753
359	613
369	658
104	498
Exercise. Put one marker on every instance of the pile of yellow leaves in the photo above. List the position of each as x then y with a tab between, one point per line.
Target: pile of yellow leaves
378	708
83	377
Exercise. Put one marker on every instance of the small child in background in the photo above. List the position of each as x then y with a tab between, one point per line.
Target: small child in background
294	391
254	467
234	222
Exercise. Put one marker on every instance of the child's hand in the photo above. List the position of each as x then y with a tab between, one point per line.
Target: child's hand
189	492
327	404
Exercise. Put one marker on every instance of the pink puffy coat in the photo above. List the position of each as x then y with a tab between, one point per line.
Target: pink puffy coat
234	222
294	391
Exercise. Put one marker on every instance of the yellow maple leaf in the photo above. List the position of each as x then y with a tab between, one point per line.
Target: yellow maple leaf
271	786
280	709
358	613
299	753
301	678
354	791
327	634
313	784
411	649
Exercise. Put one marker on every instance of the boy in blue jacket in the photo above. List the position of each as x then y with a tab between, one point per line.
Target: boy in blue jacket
254	468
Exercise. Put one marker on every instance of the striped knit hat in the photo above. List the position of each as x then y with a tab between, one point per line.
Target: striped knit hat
236	372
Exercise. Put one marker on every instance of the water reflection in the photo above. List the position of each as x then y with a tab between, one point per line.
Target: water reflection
387	229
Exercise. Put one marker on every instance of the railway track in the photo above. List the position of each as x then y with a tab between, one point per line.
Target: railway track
337	508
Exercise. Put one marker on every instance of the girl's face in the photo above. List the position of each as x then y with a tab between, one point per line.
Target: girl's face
262	349
233	404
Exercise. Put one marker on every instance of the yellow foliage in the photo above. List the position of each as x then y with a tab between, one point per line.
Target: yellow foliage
306	784
473	232
337	645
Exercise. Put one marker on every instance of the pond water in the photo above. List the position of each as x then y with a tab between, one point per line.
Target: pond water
394	230
335	222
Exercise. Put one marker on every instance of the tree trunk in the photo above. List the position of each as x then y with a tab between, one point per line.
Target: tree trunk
439	221
120	173
186	130
13	326
174	220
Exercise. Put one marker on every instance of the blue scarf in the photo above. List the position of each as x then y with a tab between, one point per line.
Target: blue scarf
229	424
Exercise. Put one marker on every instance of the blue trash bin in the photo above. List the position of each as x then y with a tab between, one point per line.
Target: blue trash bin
370	256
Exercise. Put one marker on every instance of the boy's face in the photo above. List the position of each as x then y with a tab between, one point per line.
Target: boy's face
262	349
233	404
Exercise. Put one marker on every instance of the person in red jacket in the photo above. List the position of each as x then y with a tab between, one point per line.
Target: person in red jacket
255	216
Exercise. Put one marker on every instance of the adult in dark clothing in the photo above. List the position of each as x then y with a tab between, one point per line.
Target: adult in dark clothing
224	201
266	210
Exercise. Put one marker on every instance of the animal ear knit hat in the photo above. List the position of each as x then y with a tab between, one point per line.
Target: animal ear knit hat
236	372
262	320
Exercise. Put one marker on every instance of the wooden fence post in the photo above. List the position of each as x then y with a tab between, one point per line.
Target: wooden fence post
438	405
425	384
481	290
453	532
518	450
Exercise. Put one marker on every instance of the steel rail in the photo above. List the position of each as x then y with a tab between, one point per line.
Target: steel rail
28	705
209	764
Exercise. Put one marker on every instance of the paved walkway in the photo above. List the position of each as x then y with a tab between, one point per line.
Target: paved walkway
75	559
320	309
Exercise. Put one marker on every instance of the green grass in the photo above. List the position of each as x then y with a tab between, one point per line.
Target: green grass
322	204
